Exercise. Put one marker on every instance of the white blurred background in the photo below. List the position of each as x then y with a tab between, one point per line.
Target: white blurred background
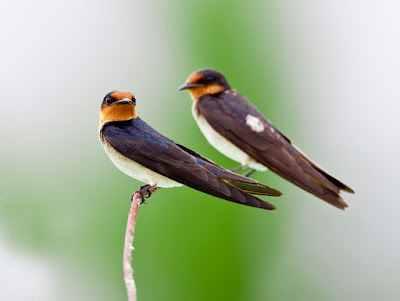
343	64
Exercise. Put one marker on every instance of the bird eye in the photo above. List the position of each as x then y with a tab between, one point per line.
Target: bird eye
108	100
134	100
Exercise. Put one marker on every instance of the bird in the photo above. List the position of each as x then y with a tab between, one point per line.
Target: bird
237	129
144	154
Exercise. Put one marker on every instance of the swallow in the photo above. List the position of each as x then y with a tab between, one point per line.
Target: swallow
144	154
234	126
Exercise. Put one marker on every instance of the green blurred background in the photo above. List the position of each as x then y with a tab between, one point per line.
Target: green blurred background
323	72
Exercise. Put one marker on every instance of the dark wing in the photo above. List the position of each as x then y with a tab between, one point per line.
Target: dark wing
136	140
227	113
244	183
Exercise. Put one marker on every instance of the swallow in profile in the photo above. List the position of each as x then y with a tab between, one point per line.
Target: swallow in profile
144	154
234	126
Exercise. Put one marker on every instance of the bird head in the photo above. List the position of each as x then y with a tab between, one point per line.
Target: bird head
205	82
117	106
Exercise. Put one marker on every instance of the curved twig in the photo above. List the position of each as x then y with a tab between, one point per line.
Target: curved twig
128	247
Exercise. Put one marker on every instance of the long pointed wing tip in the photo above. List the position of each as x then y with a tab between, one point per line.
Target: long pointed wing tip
268	206
348	189
274	192
277	193
341	205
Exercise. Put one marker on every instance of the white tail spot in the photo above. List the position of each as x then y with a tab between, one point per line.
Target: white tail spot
255	123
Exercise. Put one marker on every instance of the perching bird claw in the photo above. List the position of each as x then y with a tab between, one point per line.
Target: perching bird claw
145	193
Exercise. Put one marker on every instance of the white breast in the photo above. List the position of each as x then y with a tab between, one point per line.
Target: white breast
137	171
222	144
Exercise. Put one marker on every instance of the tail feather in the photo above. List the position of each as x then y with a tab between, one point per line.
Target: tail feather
232	187
328	195
255	188
309	176
333	180
220	187
241	197
244	183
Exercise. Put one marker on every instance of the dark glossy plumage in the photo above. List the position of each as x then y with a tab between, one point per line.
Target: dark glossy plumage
137	141
226	113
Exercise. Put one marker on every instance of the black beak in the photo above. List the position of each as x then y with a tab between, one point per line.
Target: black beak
123	101
188	86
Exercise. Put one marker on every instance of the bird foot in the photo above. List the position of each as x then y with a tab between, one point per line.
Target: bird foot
249	173
145	192
238	168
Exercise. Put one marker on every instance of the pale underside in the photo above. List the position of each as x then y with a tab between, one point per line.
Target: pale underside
223	145
137	171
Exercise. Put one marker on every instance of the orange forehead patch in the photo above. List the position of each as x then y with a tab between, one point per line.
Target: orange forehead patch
121	95
194	77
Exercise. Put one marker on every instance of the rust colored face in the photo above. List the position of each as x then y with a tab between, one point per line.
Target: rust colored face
210	89
117	106
195	78
205	82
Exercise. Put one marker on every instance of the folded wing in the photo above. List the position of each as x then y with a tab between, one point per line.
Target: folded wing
138	141
229	115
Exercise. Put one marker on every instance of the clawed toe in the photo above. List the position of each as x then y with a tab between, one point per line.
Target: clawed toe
145	193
